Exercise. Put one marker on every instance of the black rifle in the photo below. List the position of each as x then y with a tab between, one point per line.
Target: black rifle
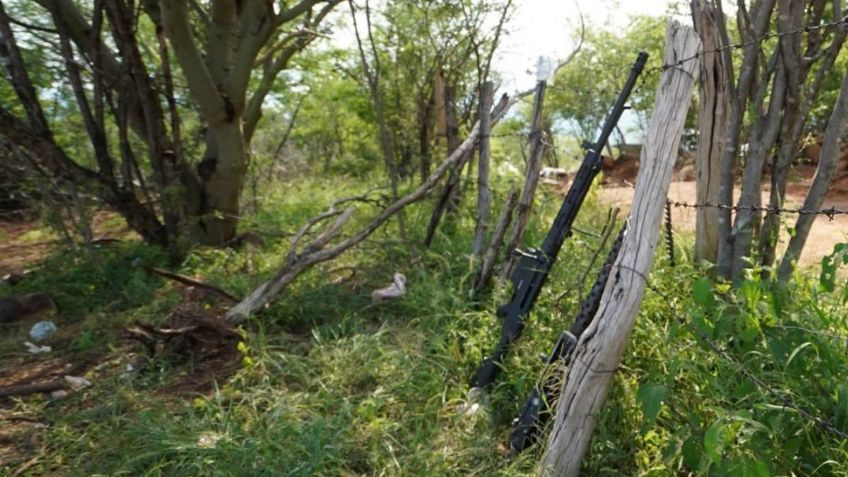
537	408
533	265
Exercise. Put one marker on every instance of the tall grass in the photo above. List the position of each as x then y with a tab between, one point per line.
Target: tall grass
334	385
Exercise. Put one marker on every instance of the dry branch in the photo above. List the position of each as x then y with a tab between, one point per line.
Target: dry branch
191	282
315	252
27	389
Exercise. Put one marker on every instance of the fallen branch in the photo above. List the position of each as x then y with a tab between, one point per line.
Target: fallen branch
315	252
191	282
27	389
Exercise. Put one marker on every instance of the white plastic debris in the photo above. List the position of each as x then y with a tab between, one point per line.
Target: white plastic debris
209	440
395	290
127	373
42	330
77	382
544	69
35	349
61	393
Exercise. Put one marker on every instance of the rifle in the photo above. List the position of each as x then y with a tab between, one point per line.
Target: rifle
537	408
533	265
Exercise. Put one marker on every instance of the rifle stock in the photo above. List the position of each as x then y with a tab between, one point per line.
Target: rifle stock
531	271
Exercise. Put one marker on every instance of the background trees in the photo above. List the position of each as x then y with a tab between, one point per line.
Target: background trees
186	122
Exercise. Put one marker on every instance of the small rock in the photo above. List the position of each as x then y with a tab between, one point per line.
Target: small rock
42	330
77	382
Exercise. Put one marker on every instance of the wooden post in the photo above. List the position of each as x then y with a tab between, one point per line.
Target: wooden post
495	244
531	177
600	348
483	200
714	105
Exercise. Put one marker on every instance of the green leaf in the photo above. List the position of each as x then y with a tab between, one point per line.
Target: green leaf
745	467
702	293
795	352
714	441
650	397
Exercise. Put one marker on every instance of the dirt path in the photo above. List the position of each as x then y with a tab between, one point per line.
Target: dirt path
823	236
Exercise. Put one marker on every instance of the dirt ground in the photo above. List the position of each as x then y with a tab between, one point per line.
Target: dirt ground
824	234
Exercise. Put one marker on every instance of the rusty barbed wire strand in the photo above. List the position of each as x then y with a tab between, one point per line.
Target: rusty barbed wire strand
830	213
669	234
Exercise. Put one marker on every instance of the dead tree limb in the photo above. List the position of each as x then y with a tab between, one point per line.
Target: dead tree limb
27	389
599	350
315	252
191	282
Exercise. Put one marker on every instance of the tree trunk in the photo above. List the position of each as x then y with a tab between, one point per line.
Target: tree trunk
752	34
599	350
221	172
712	115
760	142
799	102
821	181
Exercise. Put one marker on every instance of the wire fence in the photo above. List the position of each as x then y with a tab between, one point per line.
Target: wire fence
783	398
830	213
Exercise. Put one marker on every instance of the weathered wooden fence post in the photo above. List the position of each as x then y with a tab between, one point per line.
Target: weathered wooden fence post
531	178
484	205
599	349
491	254
714	105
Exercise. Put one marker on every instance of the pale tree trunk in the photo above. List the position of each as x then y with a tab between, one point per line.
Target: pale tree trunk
599	350
218	79
759	17
821	181
799	102
760	142
714	104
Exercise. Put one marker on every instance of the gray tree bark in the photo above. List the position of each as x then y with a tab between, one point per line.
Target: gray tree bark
714	78
824	174
759	15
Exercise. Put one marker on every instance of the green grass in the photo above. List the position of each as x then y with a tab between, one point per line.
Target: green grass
333	385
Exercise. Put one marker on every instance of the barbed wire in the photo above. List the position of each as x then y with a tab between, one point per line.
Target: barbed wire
786	401
830	213
743	44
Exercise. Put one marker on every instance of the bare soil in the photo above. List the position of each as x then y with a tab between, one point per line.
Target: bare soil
824	234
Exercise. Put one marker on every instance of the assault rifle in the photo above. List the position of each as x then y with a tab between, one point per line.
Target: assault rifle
533	265
537	408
